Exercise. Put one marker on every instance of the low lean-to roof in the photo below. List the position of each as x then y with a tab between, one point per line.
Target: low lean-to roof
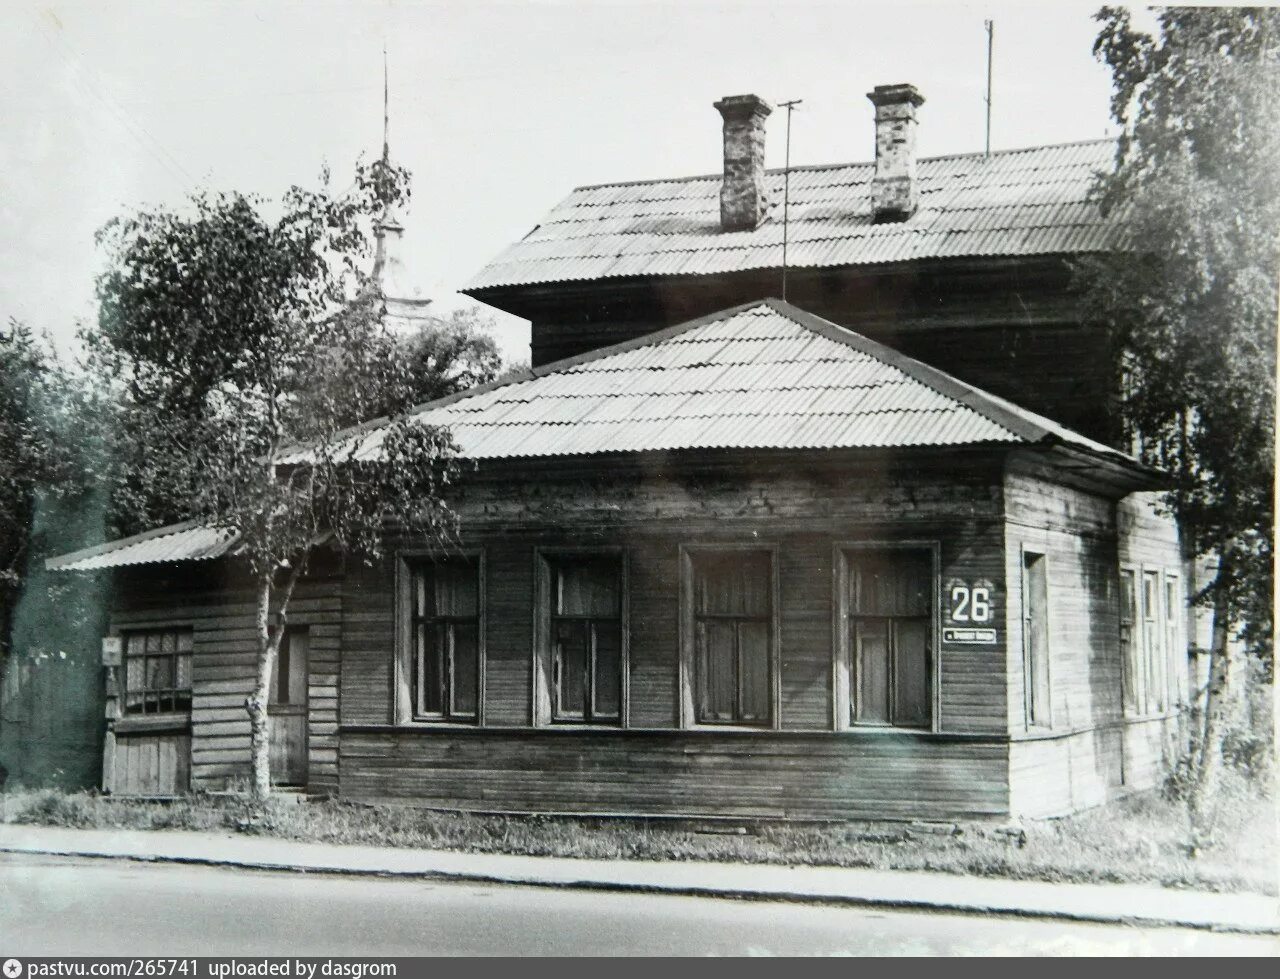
1014	202
762	376
181	542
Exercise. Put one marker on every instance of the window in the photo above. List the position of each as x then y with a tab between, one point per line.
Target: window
1173	633
1035	640
888	602
289	674
730	643
1153	642
1148	637
157	671
444	639
584	637
1134	694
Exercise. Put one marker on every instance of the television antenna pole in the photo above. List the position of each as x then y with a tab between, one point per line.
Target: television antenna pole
991	27
786	193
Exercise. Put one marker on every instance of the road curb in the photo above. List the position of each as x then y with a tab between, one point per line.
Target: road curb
653	887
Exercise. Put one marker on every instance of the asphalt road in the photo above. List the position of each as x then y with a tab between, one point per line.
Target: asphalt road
63	906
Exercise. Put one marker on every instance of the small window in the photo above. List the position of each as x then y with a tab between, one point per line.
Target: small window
444	639
157	671
289	674
585	638
1153	643
1035	639
889	604
732	626
1129	647
1173	633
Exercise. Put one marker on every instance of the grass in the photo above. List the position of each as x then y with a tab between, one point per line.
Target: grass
1139	839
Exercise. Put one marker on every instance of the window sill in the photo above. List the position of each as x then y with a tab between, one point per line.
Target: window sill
152	723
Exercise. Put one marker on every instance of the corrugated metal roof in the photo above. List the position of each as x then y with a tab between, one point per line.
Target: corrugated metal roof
762	376
180	542
765	375
1016	202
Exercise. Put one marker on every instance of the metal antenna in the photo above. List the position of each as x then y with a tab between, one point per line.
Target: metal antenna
786	193
991	27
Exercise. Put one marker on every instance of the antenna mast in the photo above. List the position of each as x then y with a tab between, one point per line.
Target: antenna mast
990	42
786	193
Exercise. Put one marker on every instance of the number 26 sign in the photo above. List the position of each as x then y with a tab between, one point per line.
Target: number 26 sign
969	601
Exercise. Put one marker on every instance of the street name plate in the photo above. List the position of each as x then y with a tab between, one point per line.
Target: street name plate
969	636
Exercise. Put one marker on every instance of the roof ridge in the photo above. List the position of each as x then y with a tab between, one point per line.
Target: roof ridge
809	167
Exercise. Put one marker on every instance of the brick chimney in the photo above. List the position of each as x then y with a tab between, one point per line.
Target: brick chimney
894	190
743	198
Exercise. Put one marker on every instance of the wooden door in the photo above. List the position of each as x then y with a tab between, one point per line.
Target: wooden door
288	710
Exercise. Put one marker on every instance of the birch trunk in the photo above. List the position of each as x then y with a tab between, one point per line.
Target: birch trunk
256	704
1217	699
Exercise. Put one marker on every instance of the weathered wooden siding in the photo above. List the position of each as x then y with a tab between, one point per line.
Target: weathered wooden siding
1092	751
692	773
651	512
1076	531
156	763
220	614
1004	326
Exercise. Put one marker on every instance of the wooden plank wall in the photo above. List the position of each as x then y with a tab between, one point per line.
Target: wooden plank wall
1092	752
220	614
1003	325
690	773
651	513
153	764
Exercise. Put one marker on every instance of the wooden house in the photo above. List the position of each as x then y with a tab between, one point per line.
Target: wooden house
722	556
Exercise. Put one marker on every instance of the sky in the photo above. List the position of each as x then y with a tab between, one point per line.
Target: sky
497	109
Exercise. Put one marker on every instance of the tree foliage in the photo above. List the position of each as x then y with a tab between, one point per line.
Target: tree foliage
449	355
43	450
1191	304
241	347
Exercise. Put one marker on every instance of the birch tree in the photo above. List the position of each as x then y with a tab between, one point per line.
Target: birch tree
1192	303
238	330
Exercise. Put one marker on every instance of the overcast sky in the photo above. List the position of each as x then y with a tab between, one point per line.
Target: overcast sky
498	109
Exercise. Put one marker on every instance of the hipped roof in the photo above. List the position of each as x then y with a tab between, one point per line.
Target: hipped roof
1021	202
762	376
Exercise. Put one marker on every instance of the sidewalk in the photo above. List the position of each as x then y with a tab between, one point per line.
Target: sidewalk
1109	903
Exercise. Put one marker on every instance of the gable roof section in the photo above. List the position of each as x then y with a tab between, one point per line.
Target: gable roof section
1015	202
764	375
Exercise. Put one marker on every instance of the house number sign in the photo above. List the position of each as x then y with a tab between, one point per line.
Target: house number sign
969	609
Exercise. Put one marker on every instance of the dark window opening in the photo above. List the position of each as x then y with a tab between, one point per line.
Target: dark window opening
444	633
1035	639
890	610
586	639
733	636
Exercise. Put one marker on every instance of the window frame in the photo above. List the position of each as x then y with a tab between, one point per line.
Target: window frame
1148	703
542	674
688	667
1175	644
842	666
403	679
1156	664
1132	685
158	694
1030	723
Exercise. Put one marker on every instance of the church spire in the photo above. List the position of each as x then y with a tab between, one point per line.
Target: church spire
402	303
